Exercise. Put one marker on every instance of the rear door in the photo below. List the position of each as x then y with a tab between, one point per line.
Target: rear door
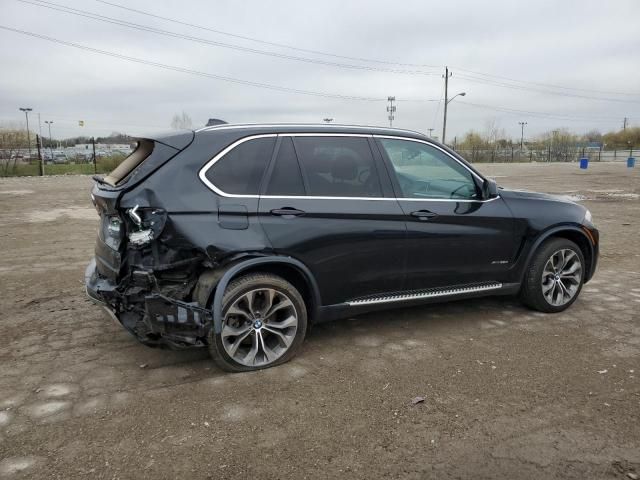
326	204
236	175
454	237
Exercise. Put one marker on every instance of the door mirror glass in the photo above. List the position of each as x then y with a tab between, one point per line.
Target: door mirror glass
423	171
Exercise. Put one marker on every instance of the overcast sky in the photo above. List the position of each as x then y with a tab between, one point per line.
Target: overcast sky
590	48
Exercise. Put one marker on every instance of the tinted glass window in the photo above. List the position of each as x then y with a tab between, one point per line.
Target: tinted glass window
426	172
241	170
338	167
286	178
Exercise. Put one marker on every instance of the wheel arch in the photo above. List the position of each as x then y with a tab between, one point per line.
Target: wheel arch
569	232
291	269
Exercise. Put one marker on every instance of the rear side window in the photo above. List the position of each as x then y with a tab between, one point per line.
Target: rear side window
240	171
338	167
286	178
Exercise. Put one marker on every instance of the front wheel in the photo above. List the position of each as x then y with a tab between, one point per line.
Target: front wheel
554	277
264	324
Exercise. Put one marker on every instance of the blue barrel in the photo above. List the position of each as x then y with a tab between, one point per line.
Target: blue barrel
584	163
631	162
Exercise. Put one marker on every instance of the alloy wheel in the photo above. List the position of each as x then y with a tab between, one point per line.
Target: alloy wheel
259	327
561	277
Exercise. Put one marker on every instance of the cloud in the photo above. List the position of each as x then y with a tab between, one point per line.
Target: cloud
575	44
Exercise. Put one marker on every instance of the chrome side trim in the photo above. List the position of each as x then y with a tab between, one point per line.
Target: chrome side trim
433	294
378	199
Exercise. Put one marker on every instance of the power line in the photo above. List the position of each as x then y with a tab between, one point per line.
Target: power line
194	72
554	116
544	84
435	115
265	42
361	59
540	90
167	33
281	45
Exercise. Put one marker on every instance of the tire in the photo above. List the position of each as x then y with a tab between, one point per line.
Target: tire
258	322
550	295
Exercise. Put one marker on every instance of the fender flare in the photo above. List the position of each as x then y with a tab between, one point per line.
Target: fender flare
238	268
548	233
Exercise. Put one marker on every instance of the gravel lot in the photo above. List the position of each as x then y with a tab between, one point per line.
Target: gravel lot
509	393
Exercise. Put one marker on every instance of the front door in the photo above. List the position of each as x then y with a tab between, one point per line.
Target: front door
454	237
325	204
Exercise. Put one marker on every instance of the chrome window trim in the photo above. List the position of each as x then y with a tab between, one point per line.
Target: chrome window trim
203	171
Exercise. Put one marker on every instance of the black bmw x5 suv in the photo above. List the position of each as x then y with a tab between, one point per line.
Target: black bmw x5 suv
238	237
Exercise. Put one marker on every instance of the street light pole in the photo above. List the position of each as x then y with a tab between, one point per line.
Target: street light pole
26	115
447	102
50	140
522	124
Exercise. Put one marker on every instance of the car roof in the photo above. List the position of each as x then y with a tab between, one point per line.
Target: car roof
251	128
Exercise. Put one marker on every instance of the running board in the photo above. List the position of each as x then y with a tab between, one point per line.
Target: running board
428	293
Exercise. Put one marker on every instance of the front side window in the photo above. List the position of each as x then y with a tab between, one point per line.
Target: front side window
426	172
240	171
338	167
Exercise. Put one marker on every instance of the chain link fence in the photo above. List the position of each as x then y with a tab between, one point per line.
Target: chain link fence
548	154
16	159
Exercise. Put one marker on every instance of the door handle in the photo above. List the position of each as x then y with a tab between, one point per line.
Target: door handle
423	214
287	211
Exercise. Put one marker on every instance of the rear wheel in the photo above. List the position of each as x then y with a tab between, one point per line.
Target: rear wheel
264	324
554	277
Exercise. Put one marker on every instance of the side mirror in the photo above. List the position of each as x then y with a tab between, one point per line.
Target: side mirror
489	189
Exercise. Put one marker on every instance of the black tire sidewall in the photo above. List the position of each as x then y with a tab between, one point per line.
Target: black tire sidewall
235	290
532	290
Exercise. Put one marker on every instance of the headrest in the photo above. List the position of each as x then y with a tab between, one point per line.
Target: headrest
344	168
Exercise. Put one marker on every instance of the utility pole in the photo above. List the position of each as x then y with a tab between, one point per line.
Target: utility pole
49	122
38	144
431	132
391	109
522	124
624	123
95	160
446	102
26	115
39	126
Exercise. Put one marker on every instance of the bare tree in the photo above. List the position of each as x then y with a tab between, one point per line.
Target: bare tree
181	121
593	136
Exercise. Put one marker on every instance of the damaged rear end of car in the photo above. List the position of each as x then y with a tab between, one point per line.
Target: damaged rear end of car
145	268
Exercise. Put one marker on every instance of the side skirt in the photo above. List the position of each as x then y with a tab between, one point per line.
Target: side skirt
374	303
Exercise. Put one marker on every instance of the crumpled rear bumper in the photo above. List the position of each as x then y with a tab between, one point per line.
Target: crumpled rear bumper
153	318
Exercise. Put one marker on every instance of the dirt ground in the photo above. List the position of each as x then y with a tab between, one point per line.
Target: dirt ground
509	393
